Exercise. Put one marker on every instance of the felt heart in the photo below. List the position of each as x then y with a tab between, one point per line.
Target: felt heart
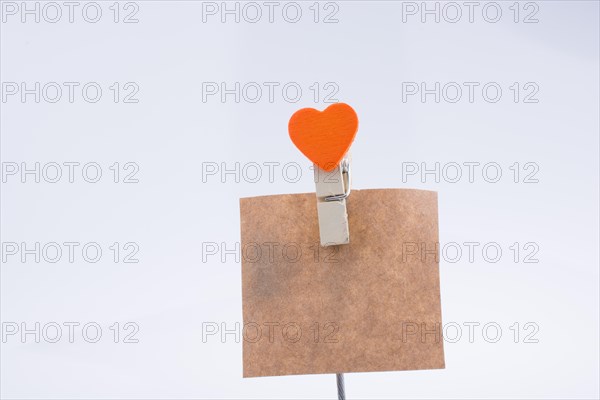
324	136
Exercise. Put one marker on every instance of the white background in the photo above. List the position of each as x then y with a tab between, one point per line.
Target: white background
171	134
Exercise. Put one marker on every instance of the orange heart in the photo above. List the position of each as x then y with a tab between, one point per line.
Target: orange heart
324	136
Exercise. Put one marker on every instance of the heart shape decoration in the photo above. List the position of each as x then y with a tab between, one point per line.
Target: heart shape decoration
324	137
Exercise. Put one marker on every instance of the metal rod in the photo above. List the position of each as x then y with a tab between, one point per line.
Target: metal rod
340	385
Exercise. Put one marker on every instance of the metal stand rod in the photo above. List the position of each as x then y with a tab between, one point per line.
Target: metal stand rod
340	385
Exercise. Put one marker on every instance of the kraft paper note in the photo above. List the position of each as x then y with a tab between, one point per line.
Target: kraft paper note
371	305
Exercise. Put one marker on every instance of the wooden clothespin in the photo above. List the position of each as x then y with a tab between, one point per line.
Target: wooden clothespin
325	138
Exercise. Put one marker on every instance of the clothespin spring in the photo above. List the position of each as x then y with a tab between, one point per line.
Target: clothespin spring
345	169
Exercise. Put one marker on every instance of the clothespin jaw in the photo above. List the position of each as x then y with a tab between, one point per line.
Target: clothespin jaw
325	138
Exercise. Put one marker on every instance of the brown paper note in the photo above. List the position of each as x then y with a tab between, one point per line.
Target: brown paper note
371	305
